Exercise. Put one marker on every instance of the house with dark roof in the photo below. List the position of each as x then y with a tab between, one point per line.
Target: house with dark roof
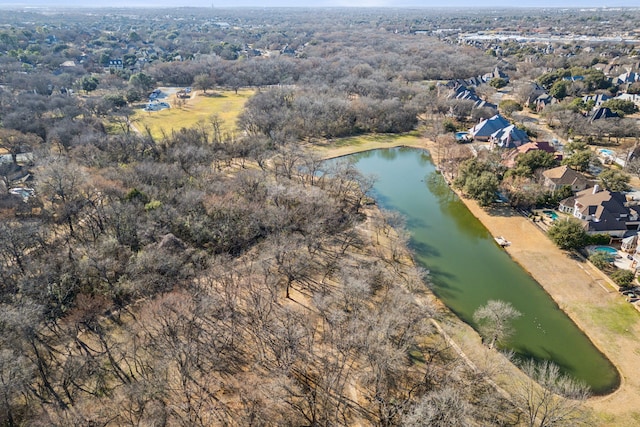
602	113
542	101
573	78
626	78
562	176
508	137
464	93
602	211
484	129
484	104
597	99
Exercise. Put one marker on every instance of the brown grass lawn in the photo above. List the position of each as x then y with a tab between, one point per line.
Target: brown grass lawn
198	109
343	146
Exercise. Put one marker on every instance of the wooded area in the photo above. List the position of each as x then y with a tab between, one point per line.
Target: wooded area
237	279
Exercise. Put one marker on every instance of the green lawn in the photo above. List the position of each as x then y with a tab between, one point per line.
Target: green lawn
227	105
618	319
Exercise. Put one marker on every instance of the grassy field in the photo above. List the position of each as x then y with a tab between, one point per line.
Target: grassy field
227	105
342	146
407	138
618	320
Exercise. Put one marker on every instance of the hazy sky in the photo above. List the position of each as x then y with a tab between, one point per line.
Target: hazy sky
330	3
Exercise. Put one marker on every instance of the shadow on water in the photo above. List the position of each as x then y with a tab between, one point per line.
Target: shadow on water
467	268
452	207
413	222
445	292
439	187
424	249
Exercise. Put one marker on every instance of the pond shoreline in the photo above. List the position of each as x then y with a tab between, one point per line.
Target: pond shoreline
575	288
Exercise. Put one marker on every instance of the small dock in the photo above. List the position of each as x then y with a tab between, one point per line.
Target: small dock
502	241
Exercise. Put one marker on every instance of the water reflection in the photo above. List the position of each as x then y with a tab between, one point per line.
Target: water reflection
467	268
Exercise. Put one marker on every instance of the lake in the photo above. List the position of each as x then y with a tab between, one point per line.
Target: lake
467	268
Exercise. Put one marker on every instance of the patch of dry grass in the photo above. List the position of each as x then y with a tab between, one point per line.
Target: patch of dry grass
343	146
197	110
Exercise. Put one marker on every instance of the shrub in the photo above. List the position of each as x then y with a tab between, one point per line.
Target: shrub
449	126
498	82
568	234
623	278
599	239
601	260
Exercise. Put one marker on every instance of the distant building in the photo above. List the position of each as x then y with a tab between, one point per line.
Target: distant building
116	64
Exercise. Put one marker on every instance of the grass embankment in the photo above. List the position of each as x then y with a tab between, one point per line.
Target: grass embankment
344	146
198	109
612	324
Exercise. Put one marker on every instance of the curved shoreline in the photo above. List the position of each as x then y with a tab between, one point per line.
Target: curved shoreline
575	289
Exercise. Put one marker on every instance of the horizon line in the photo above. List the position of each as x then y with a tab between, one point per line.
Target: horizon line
70	6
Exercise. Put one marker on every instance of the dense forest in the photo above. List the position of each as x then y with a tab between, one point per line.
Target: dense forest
237	279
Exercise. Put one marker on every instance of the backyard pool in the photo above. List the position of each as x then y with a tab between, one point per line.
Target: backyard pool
551	214
608	250
463	136
607	152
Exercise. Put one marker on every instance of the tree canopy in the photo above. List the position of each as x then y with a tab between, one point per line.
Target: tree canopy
535	159
621	106
494	321
614	180
568	234
478	180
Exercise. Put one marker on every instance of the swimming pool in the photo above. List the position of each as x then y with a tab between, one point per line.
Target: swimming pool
551	214
607	152
610	252
607	249
463	136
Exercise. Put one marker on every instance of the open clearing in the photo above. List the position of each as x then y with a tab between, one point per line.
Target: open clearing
343	146
199	108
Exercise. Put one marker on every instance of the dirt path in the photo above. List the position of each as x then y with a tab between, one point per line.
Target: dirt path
576	287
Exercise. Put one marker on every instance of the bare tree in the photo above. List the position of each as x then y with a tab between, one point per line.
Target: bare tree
442	408
494	321
16	142
550	398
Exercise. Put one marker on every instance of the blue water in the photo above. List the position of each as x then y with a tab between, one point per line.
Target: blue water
607	249
460	136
